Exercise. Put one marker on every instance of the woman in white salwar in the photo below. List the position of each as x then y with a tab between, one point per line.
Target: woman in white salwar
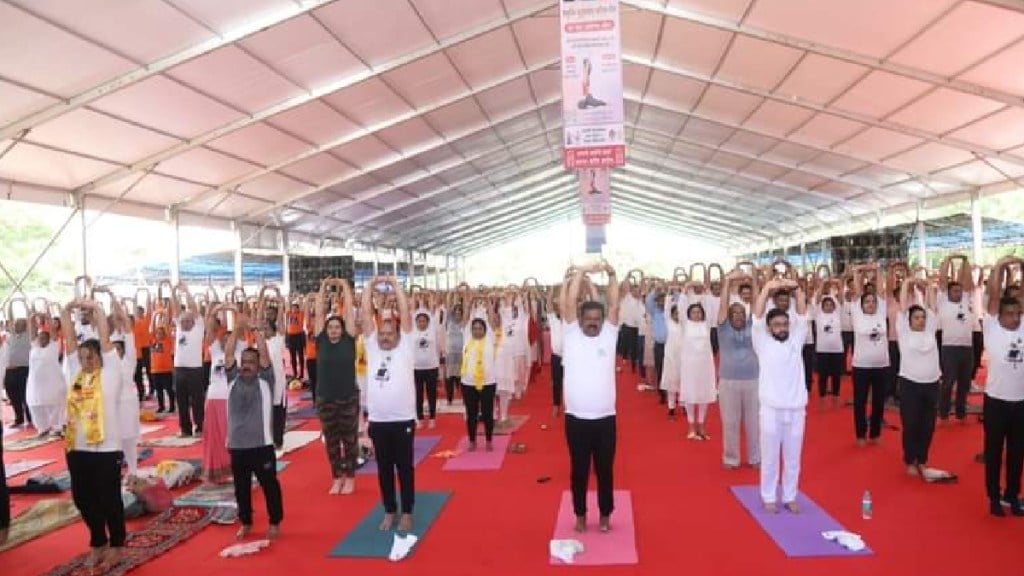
123	339
504	366
46	391
697	371
671	370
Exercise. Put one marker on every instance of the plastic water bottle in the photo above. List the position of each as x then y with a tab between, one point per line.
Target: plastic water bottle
865	506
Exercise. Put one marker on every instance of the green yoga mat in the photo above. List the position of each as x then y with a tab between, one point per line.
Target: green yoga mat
366	541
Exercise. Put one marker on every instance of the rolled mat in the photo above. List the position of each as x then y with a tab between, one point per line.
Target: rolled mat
799	535
163	533
480	459
366	540
615	547
422	445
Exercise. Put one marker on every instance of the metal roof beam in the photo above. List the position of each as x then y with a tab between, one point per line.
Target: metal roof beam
518	231
551	205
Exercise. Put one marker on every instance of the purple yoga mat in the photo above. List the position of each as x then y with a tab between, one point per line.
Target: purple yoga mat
422	446
615	547
481	459
799	535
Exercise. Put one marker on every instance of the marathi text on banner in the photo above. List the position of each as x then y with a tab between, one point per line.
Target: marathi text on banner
592	108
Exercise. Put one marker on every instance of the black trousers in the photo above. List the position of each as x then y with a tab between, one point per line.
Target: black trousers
191	391
918	406
808	357
207	370
638	363
714	340
162	384
296	344
5	494
261	462
96	492
16	384
659	369
426	384
978	344
630	335
142	363
557	379
869	381
279	417
449	388
1004	430
957	369
848	341
892	387
479	406
591	440
393	449
830	371
311	375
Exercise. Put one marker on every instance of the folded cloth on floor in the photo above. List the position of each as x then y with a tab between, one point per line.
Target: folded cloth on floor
936	476
402	546
848	540
244	549
565	550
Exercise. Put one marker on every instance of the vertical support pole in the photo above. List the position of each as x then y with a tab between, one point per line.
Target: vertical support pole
80	199
176	257
411	276
286	265
238	252
803	256
376	260
977	230
447	271
922	244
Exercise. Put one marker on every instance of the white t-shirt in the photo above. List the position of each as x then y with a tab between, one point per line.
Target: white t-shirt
128	392
112	381
781	364
390	386
919	352
956	320
275	347
870	339
555	331
427	356
589	371
846	318
829	329
218	389
188	346
1005	360
46	386
631	311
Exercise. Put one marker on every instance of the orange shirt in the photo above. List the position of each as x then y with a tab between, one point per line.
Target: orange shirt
311	347
295	322
142	335
161	354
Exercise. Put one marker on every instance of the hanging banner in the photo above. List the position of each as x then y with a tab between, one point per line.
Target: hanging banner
592	109
595	195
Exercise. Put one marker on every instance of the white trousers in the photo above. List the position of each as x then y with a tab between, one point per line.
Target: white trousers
47	417
782	431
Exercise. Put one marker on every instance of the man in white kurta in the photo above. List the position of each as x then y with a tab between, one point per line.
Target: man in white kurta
778	341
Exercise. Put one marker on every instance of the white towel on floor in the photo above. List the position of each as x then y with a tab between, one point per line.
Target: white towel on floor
848	540
401	547
565	550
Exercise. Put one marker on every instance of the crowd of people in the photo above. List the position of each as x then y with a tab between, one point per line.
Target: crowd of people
751	340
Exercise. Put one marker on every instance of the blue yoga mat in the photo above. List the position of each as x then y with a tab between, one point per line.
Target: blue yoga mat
367	541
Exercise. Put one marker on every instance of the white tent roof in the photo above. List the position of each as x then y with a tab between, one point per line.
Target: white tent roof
435	124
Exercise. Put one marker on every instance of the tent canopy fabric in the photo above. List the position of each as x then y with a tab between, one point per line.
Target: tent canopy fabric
435	125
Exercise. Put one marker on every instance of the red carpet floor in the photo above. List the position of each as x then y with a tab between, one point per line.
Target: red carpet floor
499	523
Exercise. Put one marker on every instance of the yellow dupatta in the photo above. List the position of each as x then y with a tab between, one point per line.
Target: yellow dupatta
85	404
476	348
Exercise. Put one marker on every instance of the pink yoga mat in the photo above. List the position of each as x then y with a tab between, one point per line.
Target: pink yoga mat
615	547
481	459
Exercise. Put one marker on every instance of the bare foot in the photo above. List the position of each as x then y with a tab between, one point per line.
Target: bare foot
489	446
874	441
3	536
605	524
336	487
112	557
771	507
405	523
861	443
243	531
912	470
472	446
387	522
581	524
95	558
348	486
273	532
793	507
554	411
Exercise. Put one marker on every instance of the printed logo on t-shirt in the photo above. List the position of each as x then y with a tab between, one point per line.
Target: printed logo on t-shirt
182	341
1013	355
423	344
219	368
876	334
828	328
158	347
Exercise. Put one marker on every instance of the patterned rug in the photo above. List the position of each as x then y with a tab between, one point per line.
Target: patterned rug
22	466
43	517
22	444
170	442
165	532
